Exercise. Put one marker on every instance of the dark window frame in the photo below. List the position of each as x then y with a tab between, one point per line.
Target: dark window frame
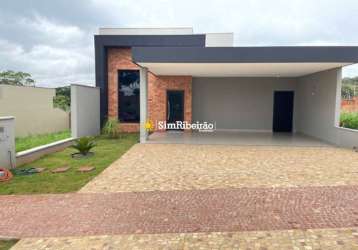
120	98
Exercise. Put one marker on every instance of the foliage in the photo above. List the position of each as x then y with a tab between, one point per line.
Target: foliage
350	80
349	87
347	92
24	143
84	145
111	128
17	78
106	152
7	244
349	120
62	99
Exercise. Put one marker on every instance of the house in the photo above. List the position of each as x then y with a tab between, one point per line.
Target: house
171	74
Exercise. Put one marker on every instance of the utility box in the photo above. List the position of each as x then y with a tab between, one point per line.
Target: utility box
7	142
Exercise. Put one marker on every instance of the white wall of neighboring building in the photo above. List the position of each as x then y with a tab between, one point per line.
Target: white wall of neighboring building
33	110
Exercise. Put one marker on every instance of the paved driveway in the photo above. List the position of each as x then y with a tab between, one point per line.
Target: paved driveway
215	197
152	167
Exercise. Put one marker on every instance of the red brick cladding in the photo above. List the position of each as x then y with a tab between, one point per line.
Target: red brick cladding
118	59
157	95
121	58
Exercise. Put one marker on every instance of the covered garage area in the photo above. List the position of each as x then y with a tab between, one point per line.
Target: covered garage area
241	89
244	104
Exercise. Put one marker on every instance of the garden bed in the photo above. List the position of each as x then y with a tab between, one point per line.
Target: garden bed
106	152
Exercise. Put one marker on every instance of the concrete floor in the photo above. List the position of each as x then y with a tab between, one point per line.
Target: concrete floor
236	138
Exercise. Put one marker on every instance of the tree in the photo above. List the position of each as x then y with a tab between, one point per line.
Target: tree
349	87
347	91
62	99
17	78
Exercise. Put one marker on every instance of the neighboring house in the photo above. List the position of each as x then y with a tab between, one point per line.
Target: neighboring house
173	74
33	110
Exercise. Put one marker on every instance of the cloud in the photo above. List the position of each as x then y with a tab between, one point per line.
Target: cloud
49	65
49	32
55	54
53	40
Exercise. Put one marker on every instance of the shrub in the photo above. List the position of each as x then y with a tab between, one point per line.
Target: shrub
112	128
349	120
84	145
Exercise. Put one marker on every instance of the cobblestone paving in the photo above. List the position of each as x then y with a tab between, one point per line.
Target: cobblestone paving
221	210
317	239
217	197
150	167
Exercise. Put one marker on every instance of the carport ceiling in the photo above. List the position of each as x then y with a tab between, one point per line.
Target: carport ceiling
239	69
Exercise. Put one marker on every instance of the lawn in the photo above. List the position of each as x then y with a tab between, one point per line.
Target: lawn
349	120
106	151
7	244
24	143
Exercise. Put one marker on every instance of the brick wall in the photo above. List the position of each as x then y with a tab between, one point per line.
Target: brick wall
350	105
121	58
157	95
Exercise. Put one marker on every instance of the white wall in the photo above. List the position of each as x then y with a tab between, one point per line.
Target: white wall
238	103
7	142
317	95
33	110
219	39
85	111
347	137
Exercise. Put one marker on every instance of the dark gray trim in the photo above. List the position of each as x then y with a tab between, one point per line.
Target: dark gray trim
245	54
102	42
150	40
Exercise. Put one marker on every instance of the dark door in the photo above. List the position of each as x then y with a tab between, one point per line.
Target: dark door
175	106
283	111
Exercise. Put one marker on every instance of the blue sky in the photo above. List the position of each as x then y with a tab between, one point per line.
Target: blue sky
53	40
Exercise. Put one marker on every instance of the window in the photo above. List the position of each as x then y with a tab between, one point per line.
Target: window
128	95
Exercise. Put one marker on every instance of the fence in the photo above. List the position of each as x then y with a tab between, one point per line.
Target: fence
350	105
33	110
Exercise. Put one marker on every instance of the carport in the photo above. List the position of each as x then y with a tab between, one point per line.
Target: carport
255	90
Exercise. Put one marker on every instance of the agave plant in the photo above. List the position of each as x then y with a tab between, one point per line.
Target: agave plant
111	128
84	145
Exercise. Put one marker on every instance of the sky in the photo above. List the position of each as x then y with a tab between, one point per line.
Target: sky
53	39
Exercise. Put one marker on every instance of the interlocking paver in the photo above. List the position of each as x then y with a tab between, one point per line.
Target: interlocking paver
150	167
220	210
324	239
215	197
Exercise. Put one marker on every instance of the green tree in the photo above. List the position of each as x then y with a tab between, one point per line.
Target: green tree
347	91
17	78
62	99
349	87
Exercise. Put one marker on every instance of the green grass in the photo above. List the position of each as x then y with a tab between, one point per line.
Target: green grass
349	120
106	152
7	244
24	143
